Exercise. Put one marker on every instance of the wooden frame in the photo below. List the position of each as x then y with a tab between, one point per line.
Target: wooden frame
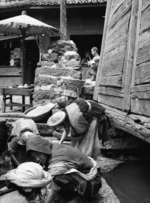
8	94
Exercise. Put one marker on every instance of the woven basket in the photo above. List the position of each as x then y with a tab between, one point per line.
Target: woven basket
40	115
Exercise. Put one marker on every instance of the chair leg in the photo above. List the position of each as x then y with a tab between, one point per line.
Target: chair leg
4	104
23	102
11	107
31	101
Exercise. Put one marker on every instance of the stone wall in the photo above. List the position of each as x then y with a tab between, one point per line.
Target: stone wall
59	73
50	83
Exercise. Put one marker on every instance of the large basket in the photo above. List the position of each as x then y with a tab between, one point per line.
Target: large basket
40	113
72	87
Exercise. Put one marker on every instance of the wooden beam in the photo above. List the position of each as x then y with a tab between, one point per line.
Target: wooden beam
134	124
131	52
63	20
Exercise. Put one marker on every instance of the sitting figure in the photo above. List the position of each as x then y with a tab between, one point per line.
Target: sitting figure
94	63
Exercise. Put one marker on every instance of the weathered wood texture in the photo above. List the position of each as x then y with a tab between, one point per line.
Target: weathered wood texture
115	45
140	97
123	80
113	53
111	100
136	125
99	72
131	52
63	20
143	54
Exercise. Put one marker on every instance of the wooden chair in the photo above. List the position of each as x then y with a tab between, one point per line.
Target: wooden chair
8	94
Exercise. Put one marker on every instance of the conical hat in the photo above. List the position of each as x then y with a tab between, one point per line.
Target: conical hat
39	112
56	118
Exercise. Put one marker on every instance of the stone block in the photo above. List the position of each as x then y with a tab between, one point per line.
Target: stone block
45	80
58	72
44	94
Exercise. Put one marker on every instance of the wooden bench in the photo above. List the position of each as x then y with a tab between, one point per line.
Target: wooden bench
8	94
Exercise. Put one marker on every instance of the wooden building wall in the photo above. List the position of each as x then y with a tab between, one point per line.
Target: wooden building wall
123	79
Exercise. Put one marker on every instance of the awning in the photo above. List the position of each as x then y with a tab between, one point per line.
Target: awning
14	37
9	37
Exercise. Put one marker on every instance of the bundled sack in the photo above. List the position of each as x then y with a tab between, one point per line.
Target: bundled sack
30	175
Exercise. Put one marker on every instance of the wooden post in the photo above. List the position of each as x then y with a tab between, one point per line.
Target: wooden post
23	58
63	20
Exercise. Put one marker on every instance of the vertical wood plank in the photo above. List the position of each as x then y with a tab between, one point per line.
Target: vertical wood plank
131	52
136	44
63	20
98	76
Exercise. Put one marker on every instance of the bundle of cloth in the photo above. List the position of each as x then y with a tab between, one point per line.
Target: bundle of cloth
29	175
27	182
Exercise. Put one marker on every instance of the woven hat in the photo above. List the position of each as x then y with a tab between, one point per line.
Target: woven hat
56	118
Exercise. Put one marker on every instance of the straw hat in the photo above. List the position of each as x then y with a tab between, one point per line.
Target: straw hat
56	118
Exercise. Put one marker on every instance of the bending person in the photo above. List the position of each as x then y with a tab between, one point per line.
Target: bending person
22	129
80	120
74	175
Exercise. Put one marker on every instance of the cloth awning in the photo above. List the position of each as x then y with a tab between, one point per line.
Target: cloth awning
15	37
9	37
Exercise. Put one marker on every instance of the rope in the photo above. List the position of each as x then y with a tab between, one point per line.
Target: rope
89	106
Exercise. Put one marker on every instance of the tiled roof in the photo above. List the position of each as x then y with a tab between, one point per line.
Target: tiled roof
22	3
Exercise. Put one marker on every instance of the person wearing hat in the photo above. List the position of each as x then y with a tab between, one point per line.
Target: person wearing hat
74	175
80	120
22	129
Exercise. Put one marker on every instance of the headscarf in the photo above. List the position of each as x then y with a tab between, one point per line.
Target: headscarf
23	125
38	144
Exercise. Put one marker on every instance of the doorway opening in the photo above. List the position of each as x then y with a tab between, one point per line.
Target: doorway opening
84	43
